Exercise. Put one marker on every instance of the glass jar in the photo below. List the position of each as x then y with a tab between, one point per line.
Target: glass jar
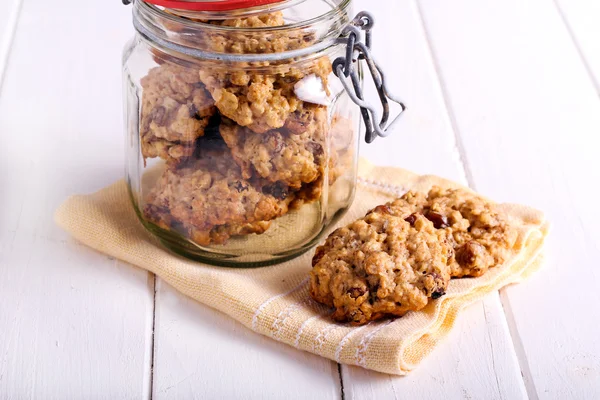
241	143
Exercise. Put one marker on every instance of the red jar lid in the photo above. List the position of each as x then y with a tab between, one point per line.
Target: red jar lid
211	5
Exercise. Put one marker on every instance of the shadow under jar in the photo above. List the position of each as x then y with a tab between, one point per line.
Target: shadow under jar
241	143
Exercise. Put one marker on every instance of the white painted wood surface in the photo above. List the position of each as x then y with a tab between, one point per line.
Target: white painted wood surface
178	318
201	353
528	117
501	97
475	362
428	126
581	20
73	323
8	23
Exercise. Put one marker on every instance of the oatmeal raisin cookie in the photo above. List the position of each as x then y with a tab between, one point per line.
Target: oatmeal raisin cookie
341	157
448	233
481	236
207	199
176	109
379	266
294	154
261	102
245	40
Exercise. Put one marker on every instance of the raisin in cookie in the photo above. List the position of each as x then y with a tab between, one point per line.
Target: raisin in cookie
479	233
176	109
207	199
379	266
294	154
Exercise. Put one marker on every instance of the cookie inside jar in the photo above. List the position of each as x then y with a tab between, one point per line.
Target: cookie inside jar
242	159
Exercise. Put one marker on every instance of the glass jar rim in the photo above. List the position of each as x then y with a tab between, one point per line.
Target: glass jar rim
235	13
339	10
214	5
156	26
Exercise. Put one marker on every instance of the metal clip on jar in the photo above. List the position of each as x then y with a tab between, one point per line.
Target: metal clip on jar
243	119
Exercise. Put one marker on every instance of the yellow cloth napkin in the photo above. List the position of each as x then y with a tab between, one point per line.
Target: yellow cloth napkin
275	301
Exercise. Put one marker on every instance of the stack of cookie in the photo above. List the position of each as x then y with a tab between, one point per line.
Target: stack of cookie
241	148
404	253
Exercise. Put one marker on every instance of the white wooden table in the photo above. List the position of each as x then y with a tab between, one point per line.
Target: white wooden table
503	96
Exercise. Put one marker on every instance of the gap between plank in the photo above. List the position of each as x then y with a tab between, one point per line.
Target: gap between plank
341	381
6	44
584	60
518	346
152	336
508	315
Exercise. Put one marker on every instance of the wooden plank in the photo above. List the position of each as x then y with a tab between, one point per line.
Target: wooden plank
456	368
8	22
581	18
529	117
477	360
423	141
73	323
201	353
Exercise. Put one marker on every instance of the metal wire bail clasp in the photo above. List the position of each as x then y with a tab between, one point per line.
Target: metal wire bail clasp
344	68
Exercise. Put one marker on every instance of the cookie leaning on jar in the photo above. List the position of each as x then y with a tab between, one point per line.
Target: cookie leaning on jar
403	253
